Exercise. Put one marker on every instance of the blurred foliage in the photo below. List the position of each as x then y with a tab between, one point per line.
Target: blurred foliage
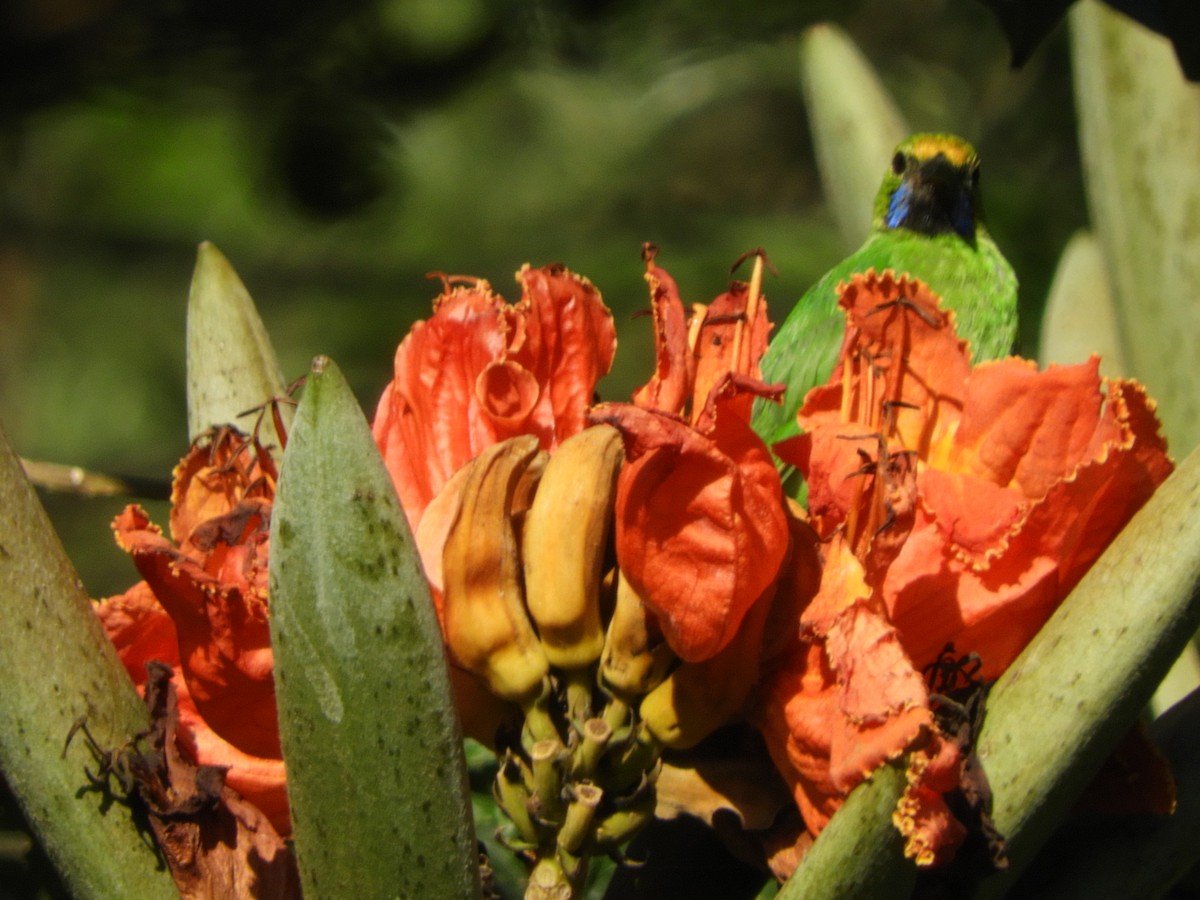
337	152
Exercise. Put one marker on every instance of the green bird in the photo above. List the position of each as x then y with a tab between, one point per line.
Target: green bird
928	223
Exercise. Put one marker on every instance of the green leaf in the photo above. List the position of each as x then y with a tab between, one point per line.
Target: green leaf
1139	131
376	775
231	366
59	666
1079	685
860	853
855	126
1081	317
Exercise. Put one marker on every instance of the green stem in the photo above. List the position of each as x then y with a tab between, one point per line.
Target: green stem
1066	701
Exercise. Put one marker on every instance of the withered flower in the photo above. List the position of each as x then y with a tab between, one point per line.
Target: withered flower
202	609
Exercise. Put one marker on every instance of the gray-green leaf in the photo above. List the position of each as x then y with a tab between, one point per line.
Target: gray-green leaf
855	125
59	666
1139	132
231	365
376	776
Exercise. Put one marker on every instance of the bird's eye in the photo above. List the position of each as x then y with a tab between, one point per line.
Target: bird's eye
898	163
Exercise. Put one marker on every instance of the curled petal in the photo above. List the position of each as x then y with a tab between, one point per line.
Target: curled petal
224	638
731	338
701	530
140	630
931	831
221	469
881	700
480	371
1024	428
991	578
428	422
570	346
902	366
261	780
670	387
797	717
507	394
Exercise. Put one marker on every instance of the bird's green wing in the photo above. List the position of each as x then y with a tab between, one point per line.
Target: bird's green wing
803	353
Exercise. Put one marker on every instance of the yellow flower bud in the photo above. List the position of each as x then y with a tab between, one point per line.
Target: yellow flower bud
565	538
635	657
487	628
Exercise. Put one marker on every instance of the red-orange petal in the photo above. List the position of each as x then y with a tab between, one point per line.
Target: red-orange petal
261	780
882	700
480	371
931	832
219	470
797	717
701	530
140	630
224	638
507	395
670	387
727	344
428	422
570	344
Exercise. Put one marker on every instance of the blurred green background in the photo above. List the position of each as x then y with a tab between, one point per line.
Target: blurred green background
336	152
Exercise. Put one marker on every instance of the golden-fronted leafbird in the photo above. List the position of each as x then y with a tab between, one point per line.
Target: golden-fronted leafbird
928	223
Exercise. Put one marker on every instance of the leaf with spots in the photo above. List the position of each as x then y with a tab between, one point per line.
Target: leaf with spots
376	775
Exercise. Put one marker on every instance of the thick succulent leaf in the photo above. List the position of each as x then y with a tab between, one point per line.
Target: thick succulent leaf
1139	125
231	366
58	666
376	775
860	852
855	126
1081	316
1067	700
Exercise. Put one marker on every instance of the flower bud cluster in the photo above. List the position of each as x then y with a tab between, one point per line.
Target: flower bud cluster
535	608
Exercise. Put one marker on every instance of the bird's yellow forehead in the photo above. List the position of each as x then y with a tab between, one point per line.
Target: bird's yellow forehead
957	152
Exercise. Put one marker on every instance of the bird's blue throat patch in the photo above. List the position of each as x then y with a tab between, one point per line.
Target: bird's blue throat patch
926	215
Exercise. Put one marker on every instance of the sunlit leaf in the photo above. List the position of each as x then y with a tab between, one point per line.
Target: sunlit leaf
854	122
1080	317
58	666
375	766
231	366
1139	126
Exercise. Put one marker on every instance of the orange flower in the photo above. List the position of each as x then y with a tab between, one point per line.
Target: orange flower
961	505
701	531
481	370
202	609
